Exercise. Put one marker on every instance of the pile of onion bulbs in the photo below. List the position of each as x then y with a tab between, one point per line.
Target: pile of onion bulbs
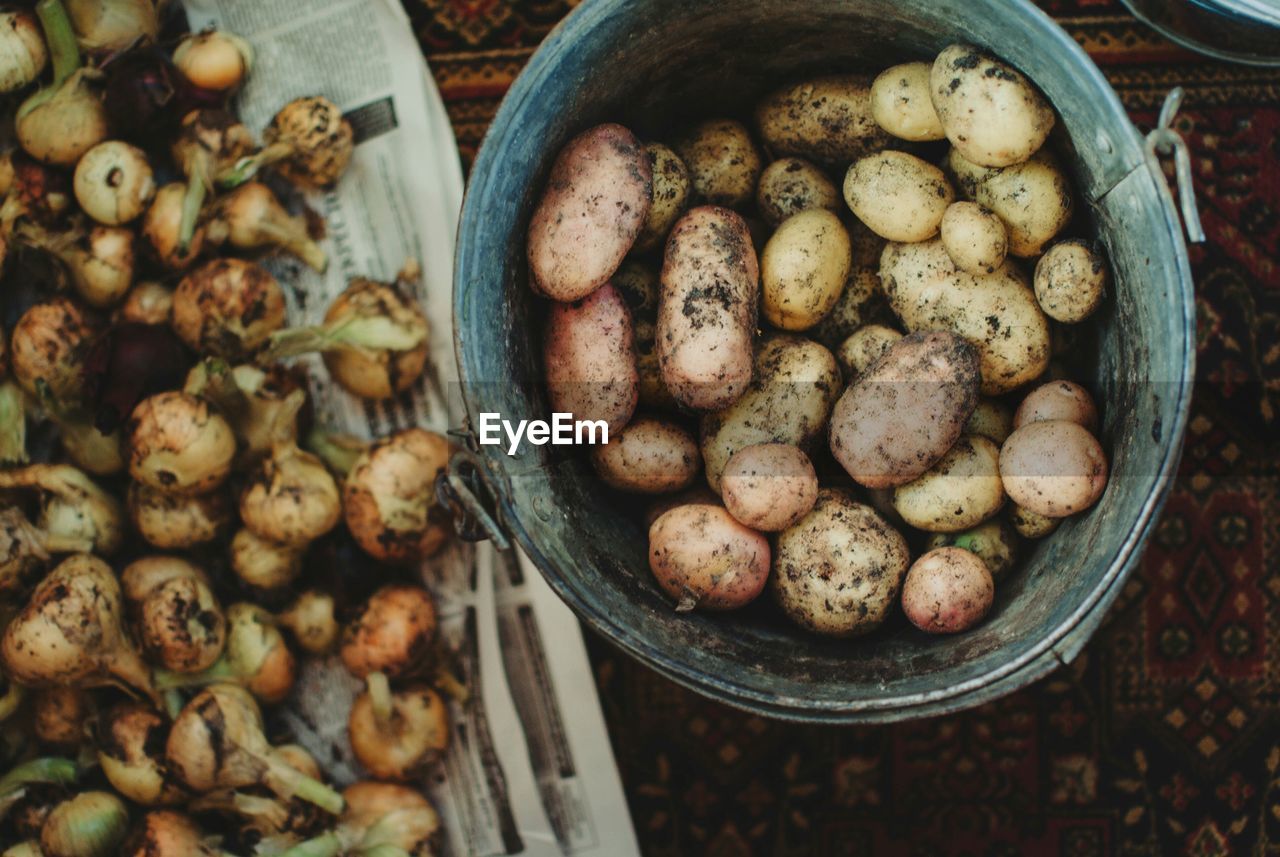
177	534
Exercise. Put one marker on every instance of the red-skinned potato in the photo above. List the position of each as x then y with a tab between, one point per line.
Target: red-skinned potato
704	559
590	360
1054	468
649	456
1058	400
769	486
947	590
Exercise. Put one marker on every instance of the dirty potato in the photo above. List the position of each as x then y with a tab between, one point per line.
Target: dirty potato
789	186
724	164
865	346
901	103
769	486
649	456
804	268
704	559
826	120
856	304
947	590
991	418
898	196
1070	281
960	491
974	237
995	543
1054	468
1029	524
1033	198
668	198
1058	400
590	365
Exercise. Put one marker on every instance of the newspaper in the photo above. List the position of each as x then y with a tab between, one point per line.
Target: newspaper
530	769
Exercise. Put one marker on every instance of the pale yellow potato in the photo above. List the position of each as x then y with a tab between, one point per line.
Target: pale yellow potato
1070	281
723	162
898	196
960	491
901	103
668	198
1058	400
796	382
855	305
1029	524
988	110
791	185
975	237
648	456
839	569
948	590
1054	468
707	309
864	347
995	543
826	120
769	486
704	559
991	418
907	410
590	213
588	357
996	312
1034	198
804	268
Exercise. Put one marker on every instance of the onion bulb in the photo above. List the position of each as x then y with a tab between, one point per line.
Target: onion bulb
29	848
181	623
113	182
91	824
93	451
260	404
396	734
23	55
131	742
179	445
109	26
162	227
374	340
227	308
310	618
214	59
393	633
148	302
17	783
99	260
264	564
389	497
169	522
256	657
58	716
165	833
74	511
251	218
48	346
217	742
13	423
384	819
309	141
72	632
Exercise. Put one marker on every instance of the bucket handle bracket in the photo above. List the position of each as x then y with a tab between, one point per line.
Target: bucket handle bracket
1164	141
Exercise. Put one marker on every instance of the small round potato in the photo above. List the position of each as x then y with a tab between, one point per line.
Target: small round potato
705	559
769	486
959	492
856	303
724	164
1070	280
669	197
649	456
994	542
839	569
803	269
1033	198
991	418
1029	524
867	345
947	590
1058	400
1054	467
791	185
974	237
899	196
901	105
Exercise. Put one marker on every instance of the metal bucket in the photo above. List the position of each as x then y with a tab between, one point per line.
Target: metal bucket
1246	31
654	63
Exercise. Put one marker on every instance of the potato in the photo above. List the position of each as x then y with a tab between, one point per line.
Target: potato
960	491
791	185
769	486
707	309
898	196
796	382
901	103
996	312
705	559
593	207
947	590
648	456
826	120
994	542
1070	281
867	345
989	111
906	411
1032	198
590	366
857	302
974	237
724	164
1029	524
838	570
1054	468
991	418
804	268
669	195
1058	400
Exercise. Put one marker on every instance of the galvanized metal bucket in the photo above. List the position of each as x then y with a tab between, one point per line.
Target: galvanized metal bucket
652	64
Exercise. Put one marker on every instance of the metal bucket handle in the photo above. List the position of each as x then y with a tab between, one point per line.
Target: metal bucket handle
1164	141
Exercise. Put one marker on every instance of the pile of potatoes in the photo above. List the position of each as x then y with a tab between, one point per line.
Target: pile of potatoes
859	373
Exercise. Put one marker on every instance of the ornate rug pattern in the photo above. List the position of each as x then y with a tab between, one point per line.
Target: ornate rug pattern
1164	737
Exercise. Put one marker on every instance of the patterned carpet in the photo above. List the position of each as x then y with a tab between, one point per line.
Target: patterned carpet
1164	738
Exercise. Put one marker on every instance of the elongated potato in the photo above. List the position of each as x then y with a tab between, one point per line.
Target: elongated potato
593	208
901	103
669	196
960	491
988	110
804	268
704	559
791	185
590	364
898	196
724	164
796	382
648	456
906	411
996	312
838	570
865	346
1033	198
826	120
707	310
